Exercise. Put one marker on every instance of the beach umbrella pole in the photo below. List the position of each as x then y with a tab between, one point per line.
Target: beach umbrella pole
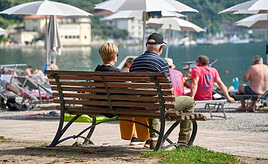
143	37
47	51
169	35
145	18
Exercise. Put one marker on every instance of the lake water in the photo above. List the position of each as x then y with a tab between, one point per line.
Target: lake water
236	58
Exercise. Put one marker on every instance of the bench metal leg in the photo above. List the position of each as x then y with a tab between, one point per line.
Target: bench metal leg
87	140
223	110
210	112
168	132
62	130
220	106
192	137
194	132
161	134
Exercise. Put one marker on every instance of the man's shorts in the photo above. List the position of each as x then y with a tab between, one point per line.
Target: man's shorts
249	91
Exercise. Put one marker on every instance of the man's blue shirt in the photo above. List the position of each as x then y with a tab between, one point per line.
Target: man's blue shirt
149	62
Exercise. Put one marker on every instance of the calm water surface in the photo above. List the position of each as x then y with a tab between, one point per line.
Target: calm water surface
236	58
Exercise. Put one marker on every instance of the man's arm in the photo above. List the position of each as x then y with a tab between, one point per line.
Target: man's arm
194	86
224	89
247	75
187	84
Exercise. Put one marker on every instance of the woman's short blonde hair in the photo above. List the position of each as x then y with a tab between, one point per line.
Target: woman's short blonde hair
108	52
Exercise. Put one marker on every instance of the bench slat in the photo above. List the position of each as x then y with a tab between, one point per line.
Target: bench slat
135	113
115	97
113	84
87	73
109	78
116	104
115	91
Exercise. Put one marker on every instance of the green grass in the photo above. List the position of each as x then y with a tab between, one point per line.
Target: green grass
2	138
193	155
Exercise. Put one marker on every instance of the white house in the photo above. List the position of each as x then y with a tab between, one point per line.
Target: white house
73	31
134	27
24	37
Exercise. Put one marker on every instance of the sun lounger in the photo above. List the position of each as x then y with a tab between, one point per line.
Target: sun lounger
218	105
9	92
263	98
38	92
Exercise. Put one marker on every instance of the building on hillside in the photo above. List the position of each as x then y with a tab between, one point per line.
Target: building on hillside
134	27
73	31
24	37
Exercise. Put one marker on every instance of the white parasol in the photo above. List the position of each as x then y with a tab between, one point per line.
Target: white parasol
46	8
145	6
174	24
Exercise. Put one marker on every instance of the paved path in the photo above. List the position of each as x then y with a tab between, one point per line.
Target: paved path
251	144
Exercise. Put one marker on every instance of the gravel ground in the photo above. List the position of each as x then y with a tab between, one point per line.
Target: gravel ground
242	134
236	121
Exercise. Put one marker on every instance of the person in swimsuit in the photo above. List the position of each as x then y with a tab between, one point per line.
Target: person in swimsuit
257	74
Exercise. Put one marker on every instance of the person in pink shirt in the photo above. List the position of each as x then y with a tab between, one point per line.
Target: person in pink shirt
203	78
176	78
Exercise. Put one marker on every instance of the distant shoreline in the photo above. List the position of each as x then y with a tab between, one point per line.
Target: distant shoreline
93	44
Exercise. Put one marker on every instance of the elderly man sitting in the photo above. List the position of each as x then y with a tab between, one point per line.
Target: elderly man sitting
151	61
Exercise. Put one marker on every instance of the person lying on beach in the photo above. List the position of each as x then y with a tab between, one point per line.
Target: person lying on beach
203	78
28	71
7	85
257	74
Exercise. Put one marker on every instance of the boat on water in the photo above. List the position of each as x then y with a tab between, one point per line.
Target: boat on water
191	64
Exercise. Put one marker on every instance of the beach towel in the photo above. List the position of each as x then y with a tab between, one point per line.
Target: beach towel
86	118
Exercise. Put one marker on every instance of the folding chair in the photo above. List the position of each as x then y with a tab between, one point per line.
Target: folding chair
36	91
263	98
218	106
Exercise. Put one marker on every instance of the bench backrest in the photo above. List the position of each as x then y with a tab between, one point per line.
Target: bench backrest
117	90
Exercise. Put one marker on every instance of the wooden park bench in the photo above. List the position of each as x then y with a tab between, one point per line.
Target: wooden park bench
146	95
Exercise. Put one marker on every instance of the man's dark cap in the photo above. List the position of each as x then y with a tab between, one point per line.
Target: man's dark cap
155	38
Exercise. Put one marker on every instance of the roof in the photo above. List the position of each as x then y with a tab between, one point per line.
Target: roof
104	13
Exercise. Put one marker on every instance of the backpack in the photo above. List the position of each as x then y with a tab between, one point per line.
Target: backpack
12	105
